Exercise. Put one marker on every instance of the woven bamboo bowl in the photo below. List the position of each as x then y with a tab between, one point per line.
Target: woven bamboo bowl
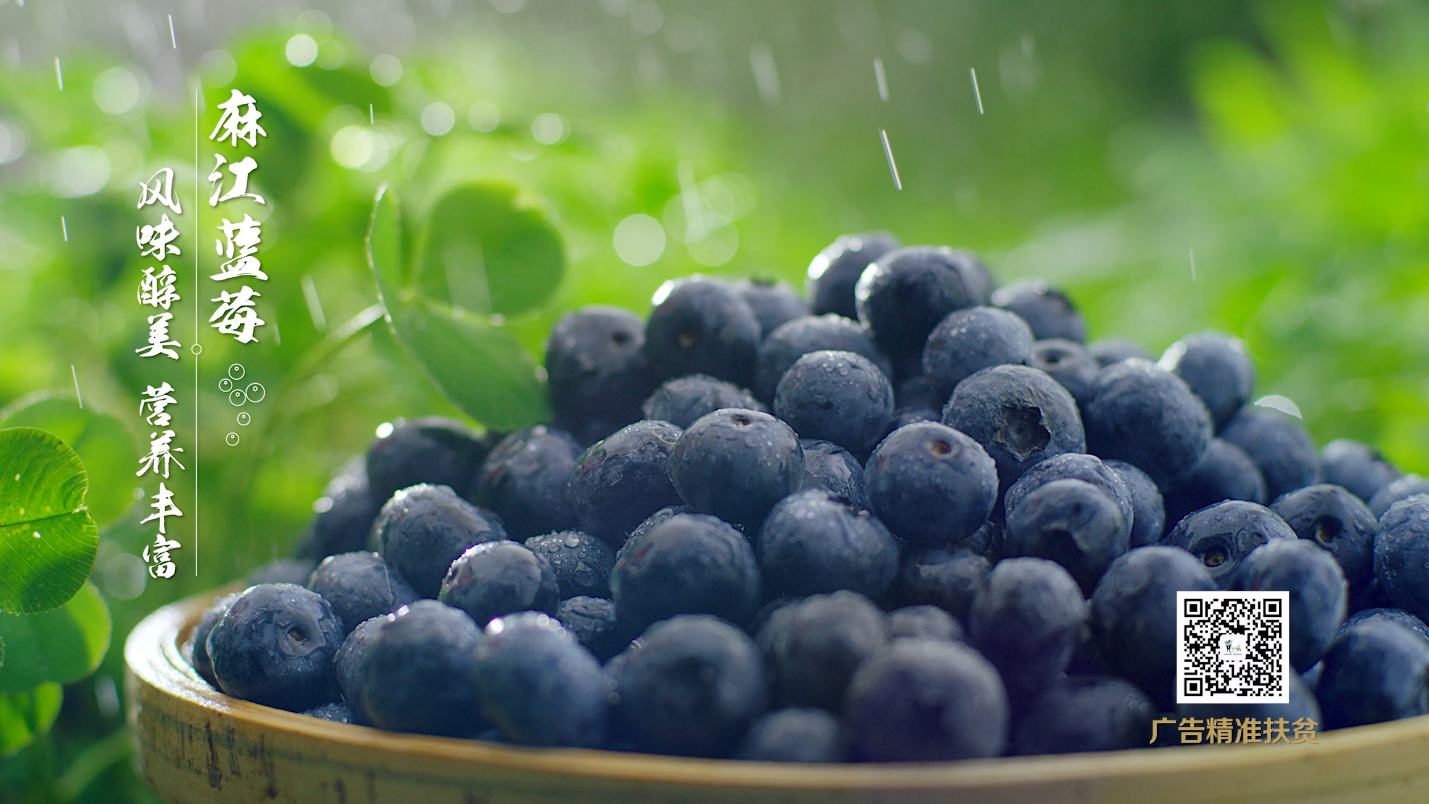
197	746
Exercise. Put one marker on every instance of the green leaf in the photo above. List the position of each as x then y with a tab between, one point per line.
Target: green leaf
490	247
481	368
384	249
478	365
48	540
103	443
26	715
62	645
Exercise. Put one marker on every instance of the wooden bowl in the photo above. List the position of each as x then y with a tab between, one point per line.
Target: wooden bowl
198	746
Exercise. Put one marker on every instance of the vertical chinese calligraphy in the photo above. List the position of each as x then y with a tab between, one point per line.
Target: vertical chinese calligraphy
158	291
237	312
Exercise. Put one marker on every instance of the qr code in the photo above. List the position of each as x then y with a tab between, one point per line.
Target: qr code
1233	647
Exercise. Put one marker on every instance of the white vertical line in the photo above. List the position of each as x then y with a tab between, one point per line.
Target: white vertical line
892	166
64	228
1193	264
77	394
973	72
371	115
198	211
59	74
881	78
172	38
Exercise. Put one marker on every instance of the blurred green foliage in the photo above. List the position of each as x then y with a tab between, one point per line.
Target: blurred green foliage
1282	148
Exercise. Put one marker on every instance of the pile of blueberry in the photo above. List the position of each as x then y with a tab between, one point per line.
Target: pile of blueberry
912	518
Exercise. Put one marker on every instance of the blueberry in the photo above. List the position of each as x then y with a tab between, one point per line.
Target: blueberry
691	685
1224	472
1399	489
347	663
419	672
1073	466
1045	308
948	579
623	479
1358	467
813	647
813	542
1374	672
1302	704
702	326
1220	536
441	452
1072	522
526	480
1149	520
1084	713
834	273
360	586
423	529
801	336
794	735
1317	592
683	400
597	371
930	484
924	622
593	622
1114	350
916	393
295	571
335	712
1133	615
1068	363
198	638
275	645
736	463
836	396
496	578
1027	620
969	340
1217	367
904	295
1401	554
688	564
1147	416
1335	519
1400	616
926	701
773	302
1019	415
581	562
343	516
538	685
1279	445
829	467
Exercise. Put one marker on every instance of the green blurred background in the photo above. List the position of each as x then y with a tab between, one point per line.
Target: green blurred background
1286	144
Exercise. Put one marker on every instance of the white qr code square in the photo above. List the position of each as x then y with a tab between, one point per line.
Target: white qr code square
1232	647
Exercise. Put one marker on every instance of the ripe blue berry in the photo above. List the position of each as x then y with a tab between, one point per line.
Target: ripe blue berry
930	484
496	578
736	464
275	646
702	326
620	481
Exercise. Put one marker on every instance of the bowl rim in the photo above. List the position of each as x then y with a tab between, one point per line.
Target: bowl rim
154	656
